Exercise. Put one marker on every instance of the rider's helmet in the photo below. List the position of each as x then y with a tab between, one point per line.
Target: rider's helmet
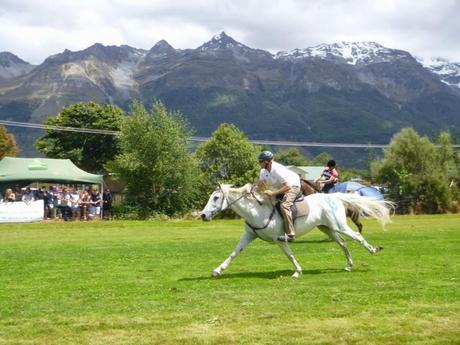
265	156
331	163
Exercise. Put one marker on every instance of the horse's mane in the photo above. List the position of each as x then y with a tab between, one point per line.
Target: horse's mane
247	188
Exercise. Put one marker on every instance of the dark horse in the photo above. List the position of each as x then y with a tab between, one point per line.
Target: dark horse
345	187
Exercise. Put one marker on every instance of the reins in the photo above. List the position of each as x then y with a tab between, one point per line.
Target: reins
254	228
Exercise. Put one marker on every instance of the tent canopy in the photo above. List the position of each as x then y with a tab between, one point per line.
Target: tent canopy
44	169
355	187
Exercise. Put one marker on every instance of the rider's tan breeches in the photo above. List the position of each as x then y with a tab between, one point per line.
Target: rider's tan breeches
286	204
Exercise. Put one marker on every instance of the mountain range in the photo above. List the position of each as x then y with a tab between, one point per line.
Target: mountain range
355	92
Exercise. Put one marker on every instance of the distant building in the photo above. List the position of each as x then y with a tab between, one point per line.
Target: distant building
309	173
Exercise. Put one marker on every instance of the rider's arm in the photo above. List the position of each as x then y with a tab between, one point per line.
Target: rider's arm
285	188
333	178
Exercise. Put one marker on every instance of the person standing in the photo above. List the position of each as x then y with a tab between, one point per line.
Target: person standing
66	204
285	183
95	204
42	194
107	200
84	204
18	193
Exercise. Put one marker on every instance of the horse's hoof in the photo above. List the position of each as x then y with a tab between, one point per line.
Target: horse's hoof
348	269
296	274
215	273
378	249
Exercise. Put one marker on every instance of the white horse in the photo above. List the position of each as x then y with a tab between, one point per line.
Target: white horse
326	211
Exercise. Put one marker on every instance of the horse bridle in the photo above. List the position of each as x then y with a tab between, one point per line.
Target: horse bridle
224	197
213	214
253	228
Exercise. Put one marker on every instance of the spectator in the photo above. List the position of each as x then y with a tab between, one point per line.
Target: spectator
84	204
95	204
52	202
28	196
75	203
9	195
42	194
65	204
107	200
18	193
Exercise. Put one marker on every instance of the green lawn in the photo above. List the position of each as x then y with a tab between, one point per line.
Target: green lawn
127	282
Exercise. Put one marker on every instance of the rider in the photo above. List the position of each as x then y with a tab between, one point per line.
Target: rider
285	183
328	177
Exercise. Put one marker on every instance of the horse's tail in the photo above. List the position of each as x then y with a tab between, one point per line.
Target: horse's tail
379	209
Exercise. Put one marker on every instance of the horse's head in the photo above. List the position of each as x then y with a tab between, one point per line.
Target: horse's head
217	202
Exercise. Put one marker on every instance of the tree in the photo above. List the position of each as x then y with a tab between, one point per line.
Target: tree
321	159
449	161
228	157
87	150
447	156
291	156
8	145
412	170
160	174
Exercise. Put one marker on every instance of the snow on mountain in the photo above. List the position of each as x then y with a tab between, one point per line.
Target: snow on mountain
353	53
449	72
221	41
224	43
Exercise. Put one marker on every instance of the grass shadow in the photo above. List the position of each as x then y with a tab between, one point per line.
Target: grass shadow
265	275
326	240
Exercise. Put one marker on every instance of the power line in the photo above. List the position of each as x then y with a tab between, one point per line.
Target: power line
197	139
57	128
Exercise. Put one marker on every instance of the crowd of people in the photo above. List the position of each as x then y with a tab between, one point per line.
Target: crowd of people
66	202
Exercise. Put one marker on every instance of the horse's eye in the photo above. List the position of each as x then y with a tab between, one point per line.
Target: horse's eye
216	198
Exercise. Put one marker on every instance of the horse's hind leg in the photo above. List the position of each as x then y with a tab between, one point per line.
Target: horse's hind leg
342	243
287	250
346	230
244	241
355	218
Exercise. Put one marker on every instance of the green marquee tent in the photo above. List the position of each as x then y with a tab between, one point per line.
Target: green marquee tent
46	170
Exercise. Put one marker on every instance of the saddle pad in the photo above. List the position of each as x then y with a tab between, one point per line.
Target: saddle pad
300	209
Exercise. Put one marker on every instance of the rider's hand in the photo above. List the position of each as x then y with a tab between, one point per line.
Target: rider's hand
269	193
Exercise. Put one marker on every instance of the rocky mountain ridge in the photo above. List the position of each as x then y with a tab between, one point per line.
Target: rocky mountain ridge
349	92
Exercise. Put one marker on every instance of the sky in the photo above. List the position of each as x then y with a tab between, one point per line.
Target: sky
36	29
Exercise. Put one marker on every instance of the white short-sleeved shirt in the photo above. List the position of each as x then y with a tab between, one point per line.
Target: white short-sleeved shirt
278	175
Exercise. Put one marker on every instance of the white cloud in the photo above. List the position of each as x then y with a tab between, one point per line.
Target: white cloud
33	30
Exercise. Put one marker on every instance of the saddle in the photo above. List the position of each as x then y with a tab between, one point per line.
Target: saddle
299	207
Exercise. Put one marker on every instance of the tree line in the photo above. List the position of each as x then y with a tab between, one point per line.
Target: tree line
165	175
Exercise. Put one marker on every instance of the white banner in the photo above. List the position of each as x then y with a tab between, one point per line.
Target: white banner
18	211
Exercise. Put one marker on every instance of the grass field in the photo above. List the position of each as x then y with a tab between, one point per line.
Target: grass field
126	282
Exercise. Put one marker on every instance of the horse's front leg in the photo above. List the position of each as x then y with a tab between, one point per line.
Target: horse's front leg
244	241
287	250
